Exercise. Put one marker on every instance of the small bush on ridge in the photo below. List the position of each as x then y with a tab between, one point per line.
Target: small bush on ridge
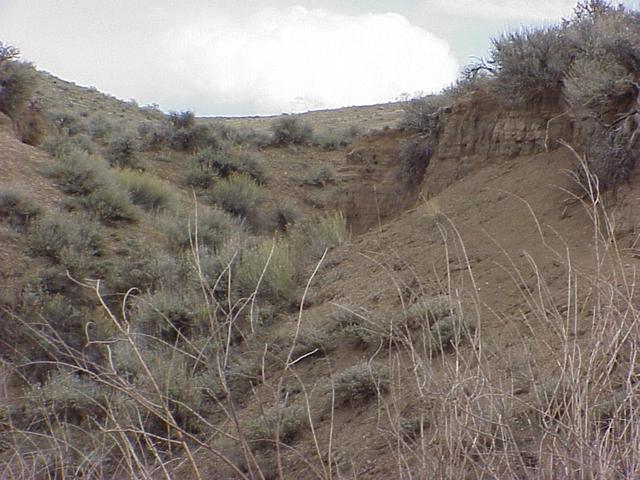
18	81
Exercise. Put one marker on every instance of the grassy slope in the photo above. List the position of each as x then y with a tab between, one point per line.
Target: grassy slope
479	240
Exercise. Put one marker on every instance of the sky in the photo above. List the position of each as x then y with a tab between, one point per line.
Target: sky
221	57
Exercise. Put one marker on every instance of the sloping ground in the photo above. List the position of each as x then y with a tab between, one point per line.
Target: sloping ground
498	225
508	234
365	118
20	170
57	95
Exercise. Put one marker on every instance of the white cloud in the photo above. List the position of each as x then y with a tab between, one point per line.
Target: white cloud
210	59
534	10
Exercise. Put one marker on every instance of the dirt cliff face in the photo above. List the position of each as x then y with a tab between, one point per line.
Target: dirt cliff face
479	130
469	135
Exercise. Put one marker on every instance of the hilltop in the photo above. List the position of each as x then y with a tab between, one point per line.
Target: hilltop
439	288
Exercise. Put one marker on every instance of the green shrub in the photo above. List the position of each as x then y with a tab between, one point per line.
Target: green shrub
199	177
153	137
93	186
334	139
250	164
78	173
59	145
238	195
226	162
69	123
17	208
148	269
68	396
449	332
123	151
185	390
241	135
286	422
428	311
213	228
360	383
100	127
168	313
309	339
321	175
55	235
291	129
150	193
109	203
279	280
193	139
286	216
18	81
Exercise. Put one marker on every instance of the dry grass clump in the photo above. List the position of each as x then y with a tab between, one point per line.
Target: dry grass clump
17	208
268	268
312	239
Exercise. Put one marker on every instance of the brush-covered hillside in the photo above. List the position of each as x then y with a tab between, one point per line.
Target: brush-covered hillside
441	288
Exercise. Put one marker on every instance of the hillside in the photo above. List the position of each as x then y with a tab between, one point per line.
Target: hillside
444	288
